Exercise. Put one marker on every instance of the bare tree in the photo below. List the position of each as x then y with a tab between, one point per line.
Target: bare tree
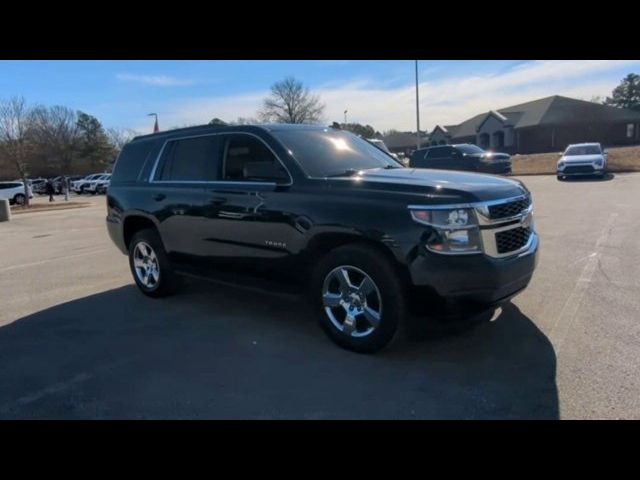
119	137
291	102
245	121
56	133
15	142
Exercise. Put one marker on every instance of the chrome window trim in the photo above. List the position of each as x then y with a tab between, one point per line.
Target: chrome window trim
151	178
219	182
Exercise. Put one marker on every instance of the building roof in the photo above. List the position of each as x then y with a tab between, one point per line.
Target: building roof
400	140
554	110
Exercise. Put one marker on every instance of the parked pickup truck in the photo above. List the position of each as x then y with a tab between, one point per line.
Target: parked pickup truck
322	210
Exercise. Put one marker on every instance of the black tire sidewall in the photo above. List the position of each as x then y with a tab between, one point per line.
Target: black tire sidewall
383	274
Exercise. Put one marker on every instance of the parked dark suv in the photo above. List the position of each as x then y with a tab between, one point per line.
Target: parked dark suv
465	157
323	211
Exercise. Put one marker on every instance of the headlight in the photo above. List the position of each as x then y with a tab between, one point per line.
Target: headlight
453	231
560	164
598	163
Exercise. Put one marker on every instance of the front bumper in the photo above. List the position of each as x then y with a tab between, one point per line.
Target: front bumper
477	279
581	169
499	168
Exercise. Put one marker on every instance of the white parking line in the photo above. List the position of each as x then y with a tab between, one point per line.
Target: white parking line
567	315
56	259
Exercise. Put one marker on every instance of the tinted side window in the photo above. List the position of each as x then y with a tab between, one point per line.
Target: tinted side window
190	159
445	152
435	152
130	161
247	158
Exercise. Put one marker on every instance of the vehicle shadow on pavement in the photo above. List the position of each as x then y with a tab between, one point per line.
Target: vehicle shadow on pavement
219	352
578	179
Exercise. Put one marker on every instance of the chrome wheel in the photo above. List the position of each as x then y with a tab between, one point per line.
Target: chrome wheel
352	301
145	263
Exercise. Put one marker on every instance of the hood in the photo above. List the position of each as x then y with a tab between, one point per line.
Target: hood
442	186
580	158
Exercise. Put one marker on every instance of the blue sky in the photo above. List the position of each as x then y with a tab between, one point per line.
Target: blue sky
377	92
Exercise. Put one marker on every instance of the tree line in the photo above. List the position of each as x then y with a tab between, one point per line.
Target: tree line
39	140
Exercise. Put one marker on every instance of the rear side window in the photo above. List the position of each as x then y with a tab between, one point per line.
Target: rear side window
418	158
130	161
189	160
440	152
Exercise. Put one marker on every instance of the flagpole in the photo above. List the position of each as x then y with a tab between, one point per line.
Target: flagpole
156	129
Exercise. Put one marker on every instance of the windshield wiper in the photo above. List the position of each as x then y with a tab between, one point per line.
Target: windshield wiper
349	172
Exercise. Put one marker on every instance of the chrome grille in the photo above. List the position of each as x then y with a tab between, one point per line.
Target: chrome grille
512	239
508	210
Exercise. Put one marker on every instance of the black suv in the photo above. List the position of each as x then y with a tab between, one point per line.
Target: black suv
323	211
465	157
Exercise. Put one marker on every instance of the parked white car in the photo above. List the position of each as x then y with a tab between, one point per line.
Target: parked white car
82	185
582	159
382	146
14	192
100	184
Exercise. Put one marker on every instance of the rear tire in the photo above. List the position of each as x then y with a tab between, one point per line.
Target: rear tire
362	312
150	265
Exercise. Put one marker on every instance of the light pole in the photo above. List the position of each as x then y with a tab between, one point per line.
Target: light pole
345	117
417	108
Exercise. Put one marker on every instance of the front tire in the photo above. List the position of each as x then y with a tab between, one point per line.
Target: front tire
150	266
19	199
560	178
358	297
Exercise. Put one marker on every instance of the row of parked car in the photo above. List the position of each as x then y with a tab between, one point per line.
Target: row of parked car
577	160
97	183
14	191
94	183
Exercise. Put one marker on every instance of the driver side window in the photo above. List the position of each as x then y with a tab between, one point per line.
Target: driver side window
248	159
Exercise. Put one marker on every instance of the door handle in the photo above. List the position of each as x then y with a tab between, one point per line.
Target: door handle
159	197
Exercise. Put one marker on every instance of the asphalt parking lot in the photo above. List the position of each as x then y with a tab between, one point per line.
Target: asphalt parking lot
77	340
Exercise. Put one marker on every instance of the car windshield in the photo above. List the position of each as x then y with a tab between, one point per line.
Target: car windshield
583	150
328	152
469	149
